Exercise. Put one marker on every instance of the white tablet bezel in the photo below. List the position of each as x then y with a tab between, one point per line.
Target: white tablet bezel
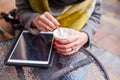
29	61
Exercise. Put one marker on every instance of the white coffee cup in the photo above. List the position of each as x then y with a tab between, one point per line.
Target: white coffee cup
63	33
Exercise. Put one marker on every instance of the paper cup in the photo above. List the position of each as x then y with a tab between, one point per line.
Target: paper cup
63	33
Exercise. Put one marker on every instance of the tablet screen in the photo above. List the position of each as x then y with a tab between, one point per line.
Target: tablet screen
35	49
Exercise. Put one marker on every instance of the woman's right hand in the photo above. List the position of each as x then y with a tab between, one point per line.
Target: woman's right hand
45	22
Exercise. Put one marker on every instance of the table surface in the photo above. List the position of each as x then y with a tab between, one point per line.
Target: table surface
25	73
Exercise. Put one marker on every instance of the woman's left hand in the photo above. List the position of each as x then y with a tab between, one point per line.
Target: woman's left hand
71	45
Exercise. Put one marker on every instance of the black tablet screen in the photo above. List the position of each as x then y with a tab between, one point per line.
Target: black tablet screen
32	48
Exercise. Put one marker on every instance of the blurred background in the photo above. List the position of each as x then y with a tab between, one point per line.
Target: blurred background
107	36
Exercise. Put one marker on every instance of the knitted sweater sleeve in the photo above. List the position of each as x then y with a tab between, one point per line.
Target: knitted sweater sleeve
25	13
93	23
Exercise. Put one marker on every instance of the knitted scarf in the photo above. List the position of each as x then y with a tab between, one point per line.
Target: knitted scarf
75	17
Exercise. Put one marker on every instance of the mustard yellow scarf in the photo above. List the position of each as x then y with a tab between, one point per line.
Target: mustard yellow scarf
75	17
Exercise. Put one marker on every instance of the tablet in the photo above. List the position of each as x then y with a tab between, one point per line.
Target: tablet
32	50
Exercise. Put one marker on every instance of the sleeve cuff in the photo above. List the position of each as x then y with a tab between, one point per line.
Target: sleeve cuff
28	25
90	30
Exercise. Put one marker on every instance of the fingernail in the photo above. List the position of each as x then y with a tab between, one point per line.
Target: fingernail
56	41
59	26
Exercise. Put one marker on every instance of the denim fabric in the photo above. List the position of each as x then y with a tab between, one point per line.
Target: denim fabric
79	74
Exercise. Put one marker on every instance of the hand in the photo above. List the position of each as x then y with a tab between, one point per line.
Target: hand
71	45
45	22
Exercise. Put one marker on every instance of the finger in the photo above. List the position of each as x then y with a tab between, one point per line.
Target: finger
64	50
44	26
69	45
45	20
51	18
35	22
69	50
67	53
40	27
72	52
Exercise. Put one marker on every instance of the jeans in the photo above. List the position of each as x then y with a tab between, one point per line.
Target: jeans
79	74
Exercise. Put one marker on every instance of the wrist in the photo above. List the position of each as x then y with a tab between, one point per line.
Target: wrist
86	40
33	24
85	36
